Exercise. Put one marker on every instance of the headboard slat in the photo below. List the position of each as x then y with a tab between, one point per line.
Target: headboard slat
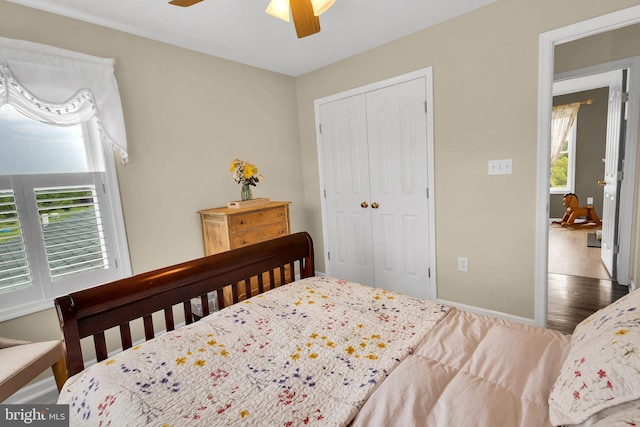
101	346
260	284
188	314
247	288
148	327
125	336
168	319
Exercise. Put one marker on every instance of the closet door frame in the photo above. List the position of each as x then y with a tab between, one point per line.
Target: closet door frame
427	74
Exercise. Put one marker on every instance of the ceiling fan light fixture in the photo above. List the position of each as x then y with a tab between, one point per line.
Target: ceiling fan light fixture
321	6
279	9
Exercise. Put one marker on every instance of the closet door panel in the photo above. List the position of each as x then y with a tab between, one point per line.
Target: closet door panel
397	138
346	174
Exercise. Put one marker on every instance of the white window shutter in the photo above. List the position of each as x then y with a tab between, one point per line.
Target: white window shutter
14	264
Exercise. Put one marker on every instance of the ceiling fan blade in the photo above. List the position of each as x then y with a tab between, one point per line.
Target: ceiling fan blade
184	3
305	21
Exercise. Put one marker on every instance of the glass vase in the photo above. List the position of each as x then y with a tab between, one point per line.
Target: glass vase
245	194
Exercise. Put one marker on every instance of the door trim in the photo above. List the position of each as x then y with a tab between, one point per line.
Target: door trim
547	43
426	73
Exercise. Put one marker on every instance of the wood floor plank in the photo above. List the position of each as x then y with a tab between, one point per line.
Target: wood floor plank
569	253
571	299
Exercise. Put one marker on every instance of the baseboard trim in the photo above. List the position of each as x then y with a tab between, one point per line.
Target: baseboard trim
490	313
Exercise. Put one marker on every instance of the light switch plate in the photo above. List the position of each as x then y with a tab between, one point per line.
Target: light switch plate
500	167
463	263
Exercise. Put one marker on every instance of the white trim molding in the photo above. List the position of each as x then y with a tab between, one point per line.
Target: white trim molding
490	313
547	43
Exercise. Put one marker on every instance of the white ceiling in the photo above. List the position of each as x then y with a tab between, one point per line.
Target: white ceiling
239	30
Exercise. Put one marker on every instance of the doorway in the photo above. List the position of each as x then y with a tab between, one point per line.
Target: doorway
548	45
580	282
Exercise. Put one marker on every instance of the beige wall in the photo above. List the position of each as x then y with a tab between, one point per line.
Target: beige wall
485	67
187	116
598	49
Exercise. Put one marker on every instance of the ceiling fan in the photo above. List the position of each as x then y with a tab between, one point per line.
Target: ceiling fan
305	12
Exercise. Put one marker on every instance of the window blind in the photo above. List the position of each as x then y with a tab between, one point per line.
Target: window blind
72	229
14	264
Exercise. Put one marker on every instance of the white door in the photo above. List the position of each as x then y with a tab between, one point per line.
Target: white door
346	175
374	153
397	130
615	121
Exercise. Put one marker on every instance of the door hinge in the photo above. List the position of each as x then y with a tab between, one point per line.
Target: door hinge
426	108
616	249
115	261
325	193
104	188
429	272
320	127
427	192
329	256
625	97
620	176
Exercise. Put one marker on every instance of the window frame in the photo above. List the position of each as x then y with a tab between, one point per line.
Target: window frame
40	296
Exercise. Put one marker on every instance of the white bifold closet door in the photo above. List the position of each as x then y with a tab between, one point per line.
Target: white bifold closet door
374	149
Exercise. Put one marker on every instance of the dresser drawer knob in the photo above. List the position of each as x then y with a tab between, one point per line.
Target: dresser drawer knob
241	222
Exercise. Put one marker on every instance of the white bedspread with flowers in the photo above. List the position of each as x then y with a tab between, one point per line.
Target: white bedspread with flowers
308	353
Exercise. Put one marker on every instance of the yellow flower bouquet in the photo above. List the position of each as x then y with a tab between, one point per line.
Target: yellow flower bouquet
245	173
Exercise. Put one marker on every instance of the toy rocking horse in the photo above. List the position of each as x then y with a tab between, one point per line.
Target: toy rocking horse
574	211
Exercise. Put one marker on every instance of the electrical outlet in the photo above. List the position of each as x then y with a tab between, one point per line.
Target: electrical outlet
463	263
590	201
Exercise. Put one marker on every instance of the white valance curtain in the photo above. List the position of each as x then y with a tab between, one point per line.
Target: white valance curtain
562	119
62	87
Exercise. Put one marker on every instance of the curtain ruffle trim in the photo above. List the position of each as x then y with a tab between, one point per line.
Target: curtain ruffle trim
78	108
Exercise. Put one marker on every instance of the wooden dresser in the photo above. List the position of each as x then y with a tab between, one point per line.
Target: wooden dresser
225	228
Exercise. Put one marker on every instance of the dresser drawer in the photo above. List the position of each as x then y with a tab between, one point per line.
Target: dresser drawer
252	235
259	218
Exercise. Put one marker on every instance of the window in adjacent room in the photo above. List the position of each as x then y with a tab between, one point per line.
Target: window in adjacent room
563	169
58	232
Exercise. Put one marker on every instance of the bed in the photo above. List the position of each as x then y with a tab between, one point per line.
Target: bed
307	350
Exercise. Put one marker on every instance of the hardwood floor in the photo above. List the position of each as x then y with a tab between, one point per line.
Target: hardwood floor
578	284
571	299
569	253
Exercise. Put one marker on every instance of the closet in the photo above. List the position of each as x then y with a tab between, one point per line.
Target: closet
375	176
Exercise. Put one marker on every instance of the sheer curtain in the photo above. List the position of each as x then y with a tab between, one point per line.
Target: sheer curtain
62	87
562	118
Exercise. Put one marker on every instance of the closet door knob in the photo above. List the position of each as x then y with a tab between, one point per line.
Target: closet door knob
364	204
375	205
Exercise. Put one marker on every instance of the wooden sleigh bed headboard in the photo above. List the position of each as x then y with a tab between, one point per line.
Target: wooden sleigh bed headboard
93	311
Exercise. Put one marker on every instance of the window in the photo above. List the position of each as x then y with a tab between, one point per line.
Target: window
61	225
59	212
563	170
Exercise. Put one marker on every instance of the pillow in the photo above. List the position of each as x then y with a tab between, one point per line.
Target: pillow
10	342
602	368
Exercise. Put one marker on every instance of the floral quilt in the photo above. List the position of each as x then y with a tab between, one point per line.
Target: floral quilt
308	353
